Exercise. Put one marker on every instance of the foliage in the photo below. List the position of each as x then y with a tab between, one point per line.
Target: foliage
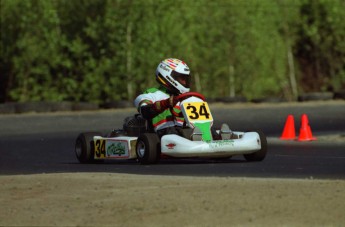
105	50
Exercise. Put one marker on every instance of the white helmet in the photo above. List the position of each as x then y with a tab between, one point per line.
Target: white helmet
174	74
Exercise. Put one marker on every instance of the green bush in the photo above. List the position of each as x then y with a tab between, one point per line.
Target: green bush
105	50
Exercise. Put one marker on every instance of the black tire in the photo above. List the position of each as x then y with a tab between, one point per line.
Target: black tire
148	148
84	147
260	154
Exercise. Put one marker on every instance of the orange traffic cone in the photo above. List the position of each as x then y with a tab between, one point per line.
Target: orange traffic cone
289	129
305	133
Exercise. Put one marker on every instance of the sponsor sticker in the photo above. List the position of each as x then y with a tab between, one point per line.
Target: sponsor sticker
105	148
117	149
220	143
164	67
170	145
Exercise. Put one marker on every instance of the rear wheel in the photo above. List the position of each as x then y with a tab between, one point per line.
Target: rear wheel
260	154
84	147
148	148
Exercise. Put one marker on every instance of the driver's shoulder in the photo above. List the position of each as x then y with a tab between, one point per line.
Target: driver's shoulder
155	90
151	90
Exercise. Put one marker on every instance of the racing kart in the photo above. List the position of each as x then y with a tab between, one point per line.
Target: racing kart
196	139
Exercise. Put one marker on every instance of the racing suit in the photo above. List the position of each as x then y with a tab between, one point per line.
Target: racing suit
165	118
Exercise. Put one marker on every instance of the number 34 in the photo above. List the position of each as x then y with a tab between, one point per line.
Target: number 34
198	113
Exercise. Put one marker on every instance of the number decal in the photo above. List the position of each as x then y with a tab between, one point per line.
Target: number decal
198	115
203	112
100	148
198	111
193	111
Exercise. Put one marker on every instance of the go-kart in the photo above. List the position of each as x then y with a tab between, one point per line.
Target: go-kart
197	138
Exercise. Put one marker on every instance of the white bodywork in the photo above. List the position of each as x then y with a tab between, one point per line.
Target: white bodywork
176	146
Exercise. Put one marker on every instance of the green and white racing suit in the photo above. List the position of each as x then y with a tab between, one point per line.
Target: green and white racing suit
169	117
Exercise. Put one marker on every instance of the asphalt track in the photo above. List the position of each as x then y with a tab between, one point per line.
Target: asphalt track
44	143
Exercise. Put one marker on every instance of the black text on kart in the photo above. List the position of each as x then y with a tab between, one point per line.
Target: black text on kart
137	139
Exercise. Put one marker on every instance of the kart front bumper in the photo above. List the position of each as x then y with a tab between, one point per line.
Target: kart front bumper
176	146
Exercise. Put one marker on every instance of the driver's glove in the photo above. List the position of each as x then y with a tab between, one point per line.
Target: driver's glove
162	105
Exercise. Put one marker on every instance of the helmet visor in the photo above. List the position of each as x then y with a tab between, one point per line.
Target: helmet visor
183	79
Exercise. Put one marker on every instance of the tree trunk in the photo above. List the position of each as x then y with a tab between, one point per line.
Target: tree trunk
129	61
232	81
292	74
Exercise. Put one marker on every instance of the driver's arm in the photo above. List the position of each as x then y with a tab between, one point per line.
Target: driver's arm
149	111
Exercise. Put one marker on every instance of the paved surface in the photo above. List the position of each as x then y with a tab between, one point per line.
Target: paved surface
44	143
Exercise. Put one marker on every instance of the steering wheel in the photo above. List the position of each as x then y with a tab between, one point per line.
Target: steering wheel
190	94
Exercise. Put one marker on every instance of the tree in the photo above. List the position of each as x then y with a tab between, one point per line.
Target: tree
320	49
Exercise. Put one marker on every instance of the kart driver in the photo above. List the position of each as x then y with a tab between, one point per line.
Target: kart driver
160	105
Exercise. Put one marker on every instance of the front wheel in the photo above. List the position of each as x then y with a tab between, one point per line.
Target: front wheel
148	148
260	154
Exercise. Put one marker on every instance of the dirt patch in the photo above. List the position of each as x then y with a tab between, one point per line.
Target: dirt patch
103	199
